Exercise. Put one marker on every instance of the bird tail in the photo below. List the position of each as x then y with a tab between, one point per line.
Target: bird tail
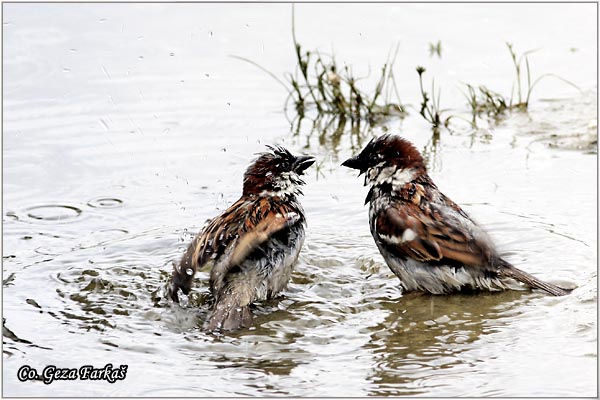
530	280
228	315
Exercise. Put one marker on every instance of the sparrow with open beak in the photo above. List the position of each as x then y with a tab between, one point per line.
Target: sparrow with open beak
426	239
253	245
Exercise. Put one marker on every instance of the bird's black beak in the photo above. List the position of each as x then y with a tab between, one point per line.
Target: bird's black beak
354	163
302	163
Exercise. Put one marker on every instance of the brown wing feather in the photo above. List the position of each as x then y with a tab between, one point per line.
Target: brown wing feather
274	220
247	224
221	231
436	239
270	224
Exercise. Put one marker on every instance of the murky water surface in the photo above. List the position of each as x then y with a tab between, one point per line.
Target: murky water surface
127	126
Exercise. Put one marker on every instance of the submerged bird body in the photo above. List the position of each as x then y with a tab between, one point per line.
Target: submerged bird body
253	245
426	239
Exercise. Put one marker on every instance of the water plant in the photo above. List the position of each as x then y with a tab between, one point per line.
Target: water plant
319	88
430	106
435	49
319	84
482	100
485	101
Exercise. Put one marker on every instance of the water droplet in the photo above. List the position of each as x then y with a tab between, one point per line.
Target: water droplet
104	124
33	303
105	72
189	271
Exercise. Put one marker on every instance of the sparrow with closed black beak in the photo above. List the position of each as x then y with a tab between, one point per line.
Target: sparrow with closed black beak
426	239
253	245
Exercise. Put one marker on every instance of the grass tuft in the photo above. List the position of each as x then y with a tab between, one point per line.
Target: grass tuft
483	101
321	90
430	106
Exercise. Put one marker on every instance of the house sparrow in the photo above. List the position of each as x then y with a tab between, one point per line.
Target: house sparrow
426	239
253	245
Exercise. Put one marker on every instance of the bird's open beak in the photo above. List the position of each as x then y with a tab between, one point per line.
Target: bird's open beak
302	163
354	163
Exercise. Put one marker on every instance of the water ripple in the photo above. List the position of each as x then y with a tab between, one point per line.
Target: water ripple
105	202
54	213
